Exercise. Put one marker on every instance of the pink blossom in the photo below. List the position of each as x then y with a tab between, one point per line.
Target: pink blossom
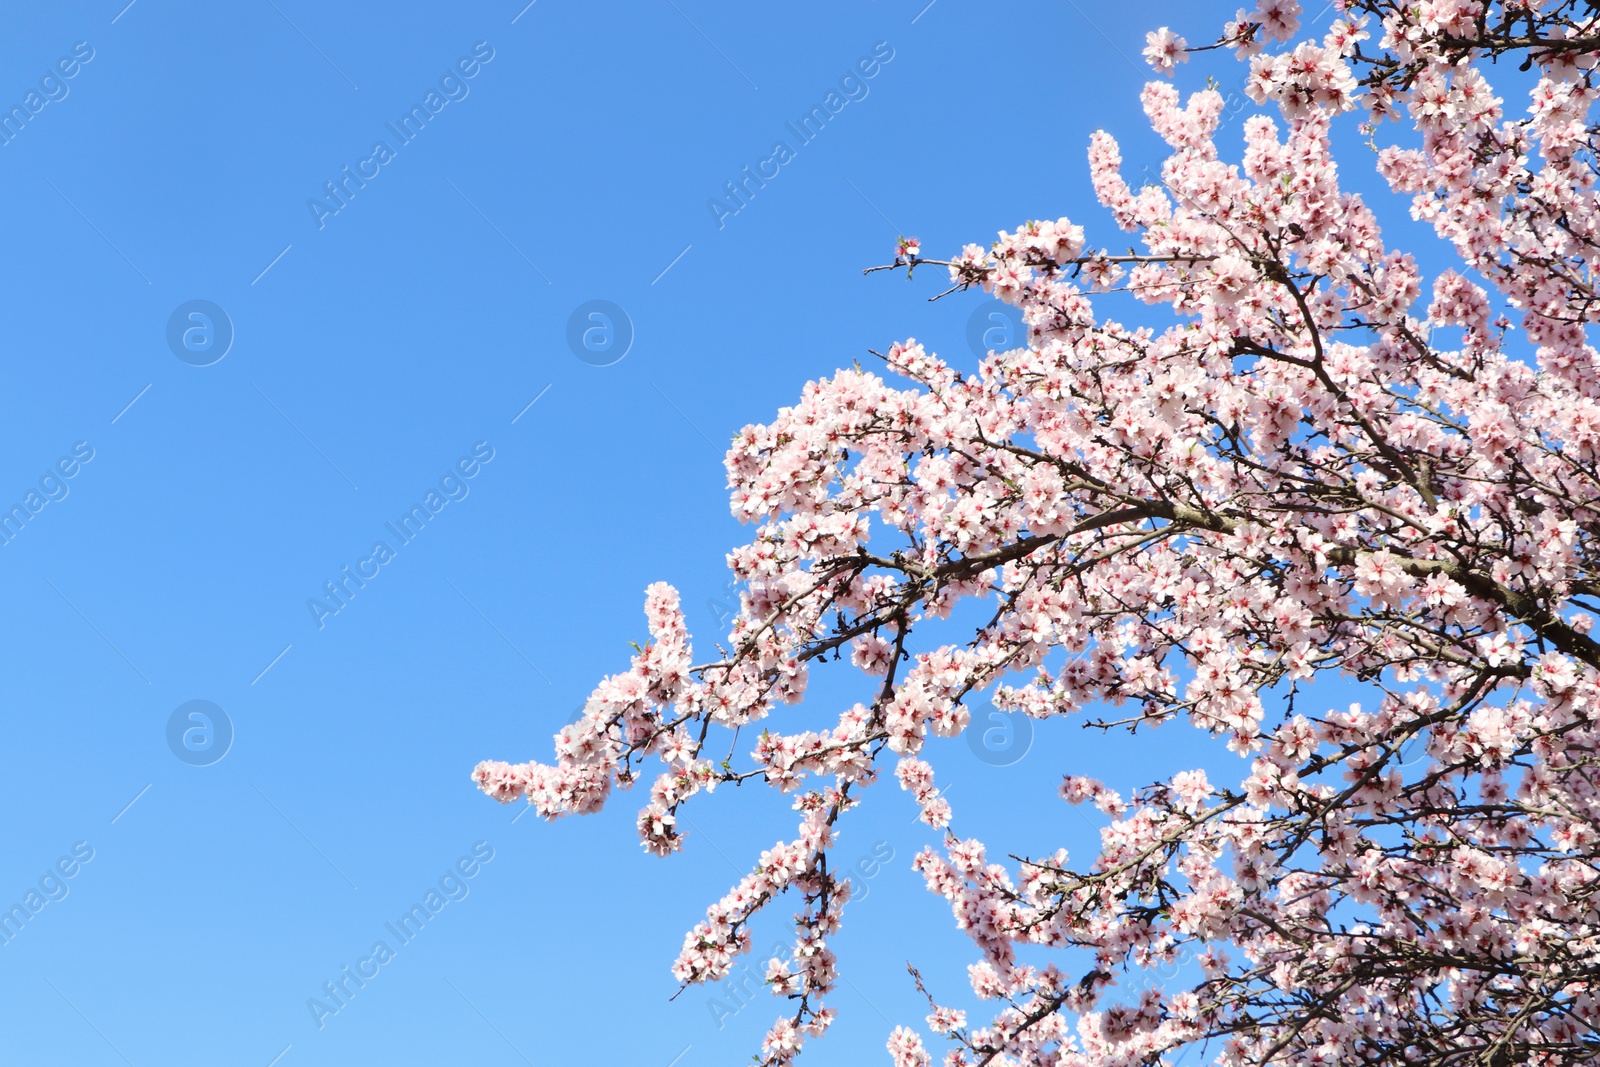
1304	459
1164	50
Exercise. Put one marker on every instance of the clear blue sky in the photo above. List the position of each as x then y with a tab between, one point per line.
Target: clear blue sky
372	349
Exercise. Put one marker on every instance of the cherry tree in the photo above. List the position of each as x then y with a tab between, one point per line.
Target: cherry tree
1326	466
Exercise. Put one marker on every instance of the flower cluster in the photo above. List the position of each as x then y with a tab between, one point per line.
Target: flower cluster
1328	465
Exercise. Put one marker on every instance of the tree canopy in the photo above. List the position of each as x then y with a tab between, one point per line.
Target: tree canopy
1327	465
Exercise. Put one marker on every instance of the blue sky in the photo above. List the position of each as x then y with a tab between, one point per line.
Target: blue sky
378	353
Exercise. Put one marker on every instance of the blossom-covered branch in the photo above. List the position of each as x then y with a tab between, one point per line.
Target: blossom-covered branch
1326	466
